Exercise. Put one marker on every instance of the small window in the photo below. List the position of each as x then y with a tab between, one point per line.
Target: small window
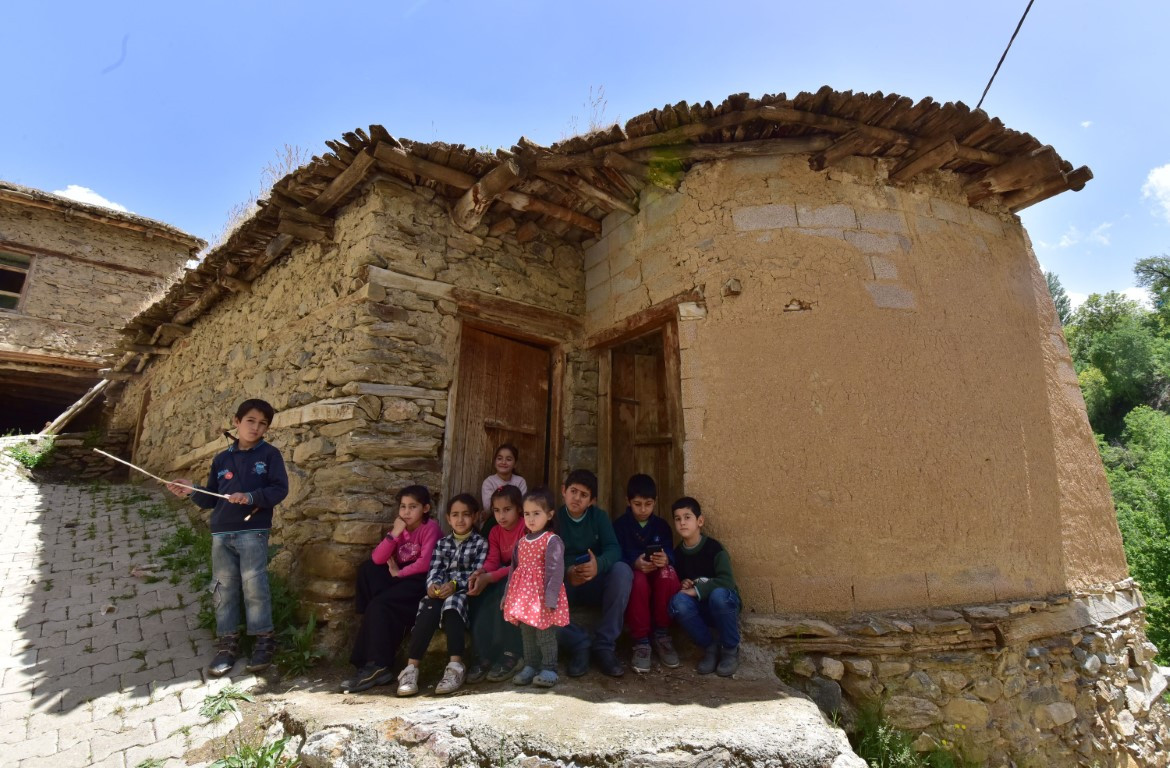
13	273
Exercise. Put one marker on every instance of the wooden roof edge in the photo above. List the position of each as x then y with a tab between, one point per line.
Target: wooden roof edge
37	198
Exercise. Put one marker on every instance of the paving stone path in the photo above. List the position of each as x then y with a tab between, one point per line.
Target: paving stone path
101	661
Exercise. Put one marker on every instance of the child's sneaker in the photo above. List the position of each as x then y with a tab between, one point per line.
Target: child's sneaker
452	679
525	676
503	669
728	661
666	653
366	678
408	680
227	650
710	659
641	660
546	679
477	672
262	653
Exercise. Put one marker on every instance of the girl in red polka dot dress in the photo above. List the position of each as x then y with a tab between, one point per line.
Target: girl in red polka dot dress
535	599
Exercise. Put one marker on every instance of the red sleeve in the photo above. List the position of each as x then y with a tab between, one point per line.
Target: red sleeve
428	537
492	563
384	551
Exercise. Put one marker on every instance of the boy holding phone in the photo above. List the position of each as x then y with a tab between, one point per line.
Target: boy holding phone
594	575
646	542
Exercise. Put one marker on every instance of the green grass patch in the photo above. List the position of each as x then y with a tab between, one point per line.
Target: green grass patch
33	454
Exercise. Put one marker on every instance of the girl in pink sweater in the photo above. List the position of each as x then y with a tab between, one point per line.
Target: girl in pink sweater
389	587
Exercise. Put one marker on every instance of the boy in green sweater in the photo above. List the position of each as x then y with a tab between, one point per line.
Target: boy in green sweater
708	597
594	575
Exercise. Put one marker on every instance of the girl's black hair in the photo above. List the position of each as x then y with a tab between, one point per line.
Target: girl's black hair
417	492
507	447
544	498
467	499
256	405
509	492
687	502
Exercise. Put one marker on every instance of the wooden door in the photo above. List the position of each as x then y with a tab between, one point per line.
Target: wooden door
643	438
502	396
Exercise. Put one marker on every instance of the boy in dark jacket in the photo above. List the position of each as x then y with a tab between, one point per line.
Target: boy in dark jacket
251	474
647	547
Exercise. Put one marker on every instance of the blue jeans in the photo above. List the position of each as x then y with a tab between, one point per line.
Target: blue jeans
239	562
612	592
720	610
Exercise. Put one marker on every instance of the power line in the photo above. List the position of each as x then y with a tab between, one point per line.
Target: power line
1005	53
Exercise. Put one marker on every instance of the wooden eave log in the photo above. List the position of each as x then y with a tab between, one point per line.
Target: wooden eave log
1018	173
939	151
587	190
848	144
302	230
1074	181
523	202
625	165
234	284
402	160
471	207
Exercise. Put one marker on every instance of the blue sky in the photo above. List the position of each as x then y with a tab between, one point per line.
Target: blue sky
171	110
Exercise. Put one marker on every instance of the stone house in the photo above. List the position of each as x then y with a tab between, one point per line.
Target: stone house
818	315
71	276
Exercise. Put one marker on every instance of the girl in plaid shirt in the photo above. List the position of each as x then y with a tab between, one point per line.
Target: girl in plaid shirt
457	555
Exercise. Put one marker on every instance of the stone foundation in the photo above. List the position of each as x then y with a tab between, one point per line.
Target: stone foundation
1070	680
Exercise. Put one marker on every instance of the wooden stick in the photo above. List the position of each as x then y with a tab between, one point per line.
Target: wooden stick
470	208
156	477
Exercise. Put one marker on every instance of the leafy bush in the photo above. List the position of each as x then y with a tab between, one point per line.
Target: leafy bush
32	454
884	746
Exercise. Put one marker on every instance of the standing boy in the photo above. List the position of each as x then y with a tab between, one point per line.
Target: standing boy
708	597
594	575
647	547
251	473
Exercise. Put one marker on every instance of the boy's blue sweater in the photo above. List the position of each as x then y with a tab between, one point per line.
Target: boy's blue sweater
634	538
258	471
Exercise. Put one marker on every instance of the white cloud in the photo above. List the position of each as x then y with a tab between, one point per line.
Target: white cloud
1157	186
1070	238
86	195
1140	295
1101	233
1074	236
1086	123
1076	299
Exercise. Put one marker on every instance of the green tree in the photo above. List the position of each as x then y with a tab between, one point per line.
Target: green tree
1153	273
1060	299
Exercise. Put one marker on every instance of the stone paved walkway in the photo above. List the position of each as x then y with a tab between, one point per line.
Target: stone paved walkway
101	665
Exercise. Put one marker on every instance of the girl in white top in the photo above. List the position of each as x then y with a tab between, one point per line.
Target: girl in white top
506	458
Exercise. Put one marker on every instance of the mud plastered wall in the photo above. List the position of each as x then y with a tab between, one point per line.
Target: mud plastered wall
73	307
355	344
879	410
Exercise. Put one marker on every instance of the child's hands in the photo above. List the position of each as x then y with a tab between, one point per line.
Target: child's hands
580	574
238	498
445	590
476	583
398	527
392	565
690	591
659	560
180	492
644	565
686	584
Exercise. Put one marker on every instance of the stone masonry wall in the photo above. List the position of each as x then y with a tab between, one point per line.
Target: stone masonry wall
73	308
355	345
876	405
1070	680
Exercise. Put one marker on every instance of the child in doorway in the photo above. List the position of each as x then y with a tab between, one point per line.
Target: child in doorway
647	546
389	587
497	642
251	473
535	598
708	596
505	462
457	555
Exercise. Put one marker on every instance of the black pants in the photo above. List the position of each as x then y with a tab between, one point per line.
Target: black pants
428	621
388	605
493	637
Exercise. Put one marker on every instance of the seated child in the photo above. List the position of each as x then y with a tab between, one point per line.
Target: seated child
506	457
497	642
457	556
535	598
389	587
708	597
647	546
594	575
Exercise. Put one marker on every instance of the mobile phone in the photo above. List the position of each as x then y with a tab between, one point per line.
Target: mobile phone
652	550
581	559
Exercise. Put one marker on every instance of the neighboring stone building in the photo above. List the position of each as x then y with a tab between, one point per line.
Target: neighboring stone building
818	315
71	276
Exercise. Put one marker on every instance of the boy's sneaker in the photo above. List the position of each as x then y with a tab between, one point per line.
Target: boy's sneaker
366	678
578	661
728	661
546	679
476	673
608	661
452	679
666	653
263	652
525	676
227	650
408	680
709	661
503	669
641	660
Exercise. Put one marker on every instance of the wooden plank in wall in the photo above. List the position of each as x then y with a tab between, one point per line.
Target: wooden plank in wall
672	372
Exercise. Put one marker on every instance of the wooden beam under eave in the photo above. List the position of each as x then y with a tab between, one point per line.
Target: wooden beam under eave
302	231
343	182
848	144
234	284
929	156
589	191
1018	173
523	202
763	147
1074	181
402	160
211	295
470	208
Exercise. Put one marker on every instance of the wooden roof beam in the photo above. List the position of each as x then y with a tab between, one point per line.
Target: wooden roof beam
401	160
587	190
471	207
941	150
848	144
1019	172
523	202
1023	198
